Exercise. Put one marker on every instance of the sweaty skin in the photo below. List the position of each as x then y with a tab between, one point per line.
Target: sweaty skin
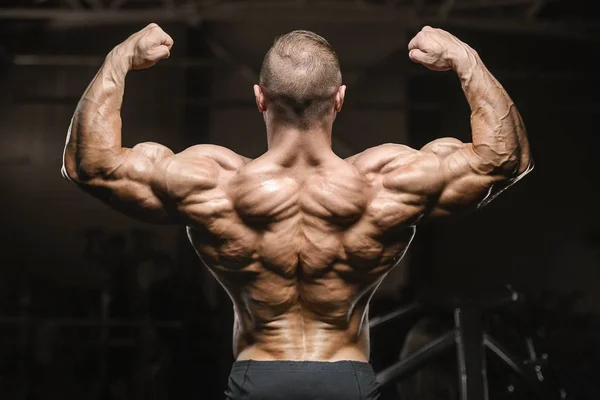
299	238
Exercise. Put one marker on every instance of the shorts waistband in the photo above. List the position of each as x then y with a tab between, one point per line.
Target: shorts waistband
285	365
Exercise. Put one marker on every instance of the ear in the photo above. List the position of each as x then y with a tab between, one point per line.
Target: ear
339	98
261	100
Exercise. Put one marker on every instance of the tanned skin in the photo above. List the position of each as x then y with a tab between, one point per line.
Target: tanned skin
299	238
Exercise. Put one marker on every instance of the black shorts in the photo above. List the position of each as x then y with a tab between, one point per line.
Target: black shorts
302	380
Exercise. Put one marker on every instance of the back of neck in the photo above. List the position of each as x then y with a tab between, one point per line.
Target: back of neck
293	146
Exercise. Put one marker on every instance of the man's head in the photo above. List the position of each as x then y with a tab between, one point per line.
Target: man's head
300	80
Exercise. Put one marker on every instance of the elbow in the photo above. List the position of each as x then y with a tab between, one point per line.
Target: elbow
505	167
80	174
83	168
65	174
70	173
526	164
77	172
68	169
527	167
508	166
513	170
518	166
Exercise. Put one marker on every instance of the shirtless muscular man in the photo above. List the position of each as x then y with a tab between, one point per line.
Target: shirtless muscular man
298	237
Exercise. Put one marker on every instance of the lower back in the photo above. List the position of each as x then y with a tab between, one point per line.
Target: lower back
298	337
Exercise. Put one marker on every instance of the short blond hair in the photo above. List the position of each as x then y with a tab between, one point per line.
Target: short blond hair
300	75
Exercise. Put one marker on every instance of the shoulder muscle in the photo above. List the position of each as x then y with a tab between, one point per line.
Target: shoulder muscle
198	168
226	158
376	158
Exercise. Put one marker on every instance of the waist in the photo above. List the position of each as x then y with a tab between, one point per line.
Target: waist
293	337
299	366
313	352
300	380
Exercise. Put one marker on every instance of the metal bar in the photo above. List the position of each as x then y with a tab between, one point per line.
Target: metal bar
533	359
416	360
512	361
470	352
401	312
531	349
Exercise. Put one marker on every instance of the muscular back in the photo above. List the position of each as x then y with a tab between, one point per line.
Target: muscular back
300	249
300	242
299	238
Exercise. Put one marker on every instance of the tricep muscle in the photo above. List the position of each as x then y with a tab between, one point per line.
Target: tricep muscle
130	181
446	177
463	179
150	183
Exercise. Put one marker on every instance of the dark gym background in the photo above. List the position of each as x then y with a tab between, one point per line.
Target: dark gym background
96	306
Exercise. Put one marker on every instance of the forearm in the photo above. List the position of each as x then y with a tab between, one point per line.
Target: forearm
499	135
94	136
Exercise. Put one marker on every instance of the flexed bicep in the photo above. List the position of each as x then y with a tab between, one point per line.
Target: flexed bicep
472	174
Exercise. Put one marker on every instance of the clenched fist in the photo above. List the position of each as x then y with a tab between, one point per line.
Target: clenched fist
439	50
145	48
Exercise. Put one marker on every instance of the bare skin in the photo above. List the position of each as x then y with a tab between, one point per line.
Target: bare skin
299	238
